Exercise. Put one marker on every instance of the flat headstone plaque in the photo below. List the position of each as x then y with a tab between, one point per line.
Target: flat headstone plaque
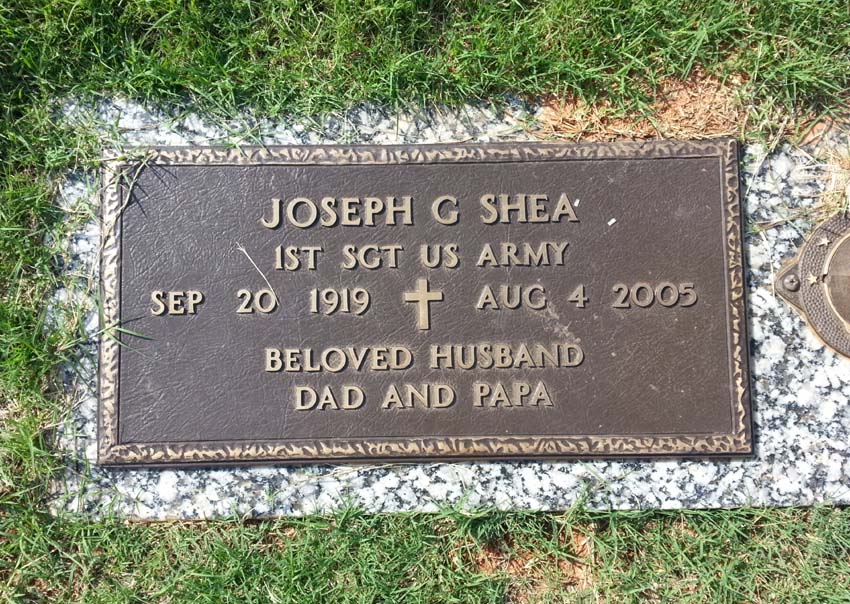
363	303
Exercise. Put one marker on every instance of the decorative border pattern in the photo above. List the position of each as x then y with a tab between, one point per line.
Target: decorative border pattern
738	441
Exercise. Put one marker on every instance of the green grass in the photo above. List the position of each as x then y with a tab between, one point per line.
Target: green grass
297	58
720	556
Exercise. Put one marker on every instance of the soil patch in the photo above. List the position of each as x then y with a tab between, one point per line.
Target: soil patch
703	106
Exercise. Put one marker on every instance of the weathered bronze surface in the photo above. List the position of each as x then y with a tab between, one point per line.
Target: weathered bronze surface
359	303
817	282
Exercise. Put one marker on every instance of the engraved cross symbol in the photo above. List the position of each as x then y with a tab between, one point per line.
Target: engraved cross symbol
423	298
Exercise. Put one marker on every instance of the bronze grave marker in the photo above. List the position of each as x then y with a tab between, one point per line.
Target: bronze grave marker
360	303
816	282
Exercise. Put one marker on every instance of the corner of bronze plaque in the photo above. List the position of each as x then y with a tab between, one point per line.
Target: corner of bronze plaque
816	282
738	441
